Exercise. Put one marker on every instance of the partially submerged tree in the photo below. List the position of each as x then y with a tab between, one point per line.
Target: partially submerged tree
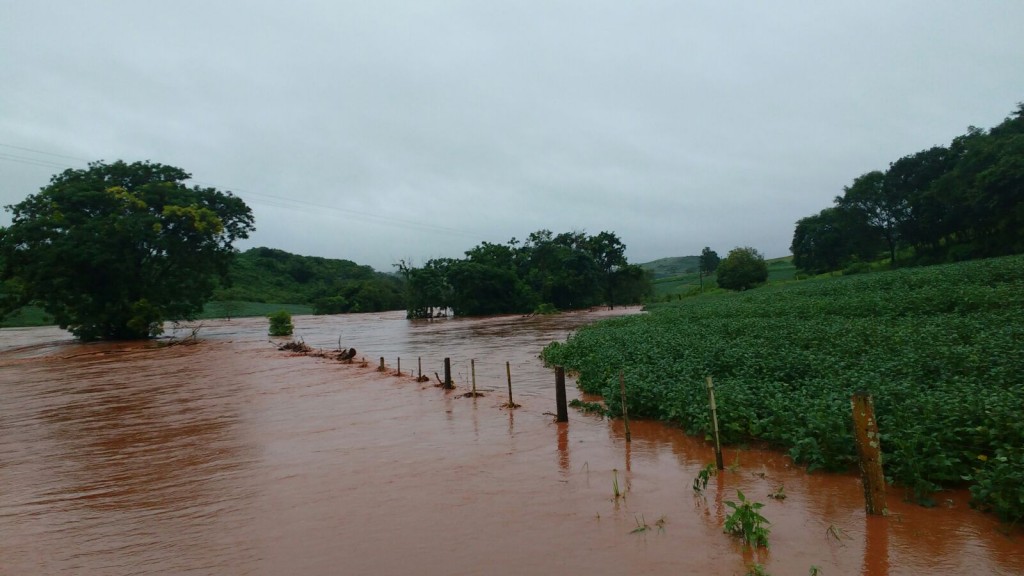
567	271
113	251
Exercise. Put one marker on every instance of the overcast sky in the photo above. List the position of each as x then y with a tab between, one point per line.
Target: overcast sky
384	130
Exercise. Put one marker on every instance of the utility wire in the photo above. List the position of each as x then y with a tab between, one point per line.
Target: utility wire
255	197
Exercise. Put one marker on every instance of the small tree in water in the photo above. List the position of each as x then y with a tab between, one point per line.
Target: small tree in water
281	323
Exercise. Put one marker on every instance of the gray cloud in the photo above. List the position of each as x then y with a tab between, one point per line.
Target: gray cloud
376	131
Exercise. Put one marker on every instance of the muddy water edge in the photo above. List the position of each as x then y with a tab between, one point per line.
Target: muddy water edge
228	456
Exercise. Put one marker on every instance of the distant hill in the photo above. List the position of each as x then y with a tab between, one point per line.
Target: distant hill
672	266
331	286
678	275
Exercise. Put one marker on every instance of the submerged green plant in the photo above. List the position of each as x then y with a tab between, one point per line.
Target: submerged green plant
746	522
756	570
643	526
281	323
615	483
700	483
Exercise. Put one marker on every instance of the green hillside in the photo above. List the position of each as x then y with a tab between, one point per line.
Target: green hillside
330	286
677	276
672	266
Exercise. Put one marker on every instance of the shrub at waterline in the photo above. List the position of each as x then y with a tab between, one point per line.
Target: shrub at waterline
281	323
939	348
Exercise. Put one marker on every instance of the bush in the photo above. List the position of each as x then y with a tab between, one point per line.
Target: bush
281	323
545	309
743	268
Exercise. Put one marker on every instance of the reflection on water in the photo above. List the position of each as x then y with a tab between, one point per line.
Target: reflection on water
229	457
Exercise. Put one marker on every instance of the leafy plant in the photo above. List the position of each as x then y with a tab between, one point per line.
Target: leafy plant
756	570
700	483
588	407
746	521
281	323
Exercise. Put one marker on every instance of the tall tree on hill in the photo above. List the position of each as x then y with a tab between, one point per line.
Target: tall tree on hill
610	254
884	208
707	264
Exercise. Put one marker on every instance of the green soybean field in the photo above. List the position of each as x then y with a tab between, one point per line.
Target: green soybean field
941	350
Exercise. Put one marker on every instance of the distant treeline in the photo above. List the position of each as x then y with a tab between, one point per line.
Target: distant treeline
943	204
544	273
330	286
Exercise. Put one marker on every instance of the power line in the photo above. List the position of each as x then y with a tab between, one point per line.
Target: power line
86	160
259	197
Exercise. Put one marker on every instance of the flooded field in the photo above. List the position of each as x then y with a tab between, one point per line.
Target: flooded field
231	457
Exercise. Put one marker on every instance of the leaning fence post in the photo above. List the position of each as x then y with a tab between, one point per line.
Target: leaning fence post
563	410
508	372
714	424
625	412
869	452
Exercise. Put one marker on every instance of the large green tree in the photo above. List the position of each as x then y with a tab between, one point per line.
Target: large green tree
743	268
567	271
884	207
113	251
940	204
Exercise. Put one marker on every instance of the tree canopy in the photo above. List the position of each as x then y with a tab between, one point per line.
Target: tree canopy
743	268
709	261
567	271
113	251
957	202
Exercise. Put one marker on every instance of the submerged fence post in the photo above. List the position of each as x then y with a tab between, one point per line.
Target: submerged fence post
508	372
419	368
382	368
714	424
625	411
399	366
869	452
472	371
448	374
563	410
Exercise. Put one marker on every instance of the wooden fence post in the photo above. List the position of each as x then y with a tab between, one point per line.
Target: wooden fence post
448	374
625	411
382	368
508	372
472	371
399	366
563	409
714	424
869	453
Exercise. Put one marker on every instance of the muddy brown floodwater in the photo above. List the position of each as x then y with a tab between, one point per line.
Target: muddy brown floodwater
230	457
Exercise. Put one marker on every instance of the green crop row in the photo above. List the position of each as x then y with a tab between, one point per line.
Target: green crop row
941	349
